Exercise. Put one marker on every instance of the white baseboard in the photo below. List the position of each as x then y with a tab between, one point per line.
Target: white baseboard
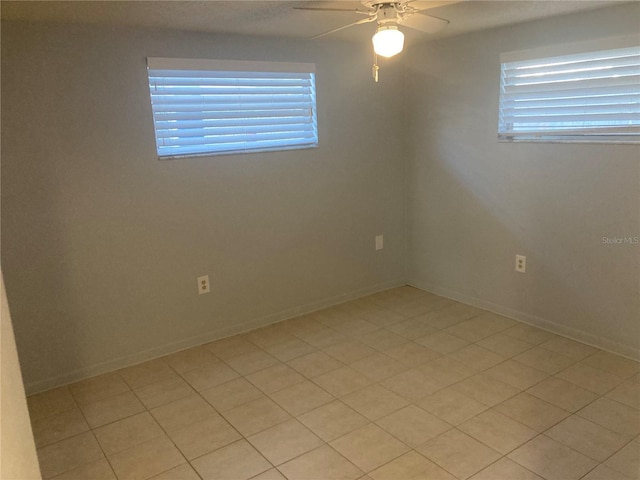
129	360
252	324
533	320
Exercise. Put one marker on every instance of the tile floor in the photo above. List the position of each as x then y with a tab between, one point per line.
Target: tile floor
398	385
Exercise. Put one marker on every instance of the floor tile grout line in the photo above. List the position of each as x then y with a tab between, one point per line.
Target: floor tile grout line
542	434
325	444
38	447
220	414
90	429
504	457
443	466
94	436
168	435
147	410
612	454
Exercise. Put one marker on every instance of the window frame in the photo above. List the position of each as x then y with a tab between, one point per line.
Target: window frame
555	134
252	77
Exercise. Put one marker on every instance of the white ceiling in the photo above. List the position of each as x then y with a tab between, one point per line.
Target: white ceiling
279	18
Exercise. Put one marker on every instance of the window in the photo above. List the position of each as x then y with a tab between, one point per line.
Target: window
579	96
208	107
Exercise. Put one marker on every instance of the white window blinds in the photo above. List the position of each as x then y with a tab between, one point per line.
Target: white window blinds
588	96
205	107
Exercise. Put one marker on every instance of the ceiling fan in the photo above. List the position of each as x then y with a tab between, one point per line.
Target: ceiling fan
388	40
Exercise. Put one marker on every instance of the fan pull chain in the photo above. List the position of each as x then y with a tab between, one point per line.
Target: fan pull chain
375	67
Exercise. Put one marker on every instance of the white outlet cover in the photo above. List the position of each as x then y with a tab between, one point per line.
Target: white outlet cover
203	284
521	263
379	242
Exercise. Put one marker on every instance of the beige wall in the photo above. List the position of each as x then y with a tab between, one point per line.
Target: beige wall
474	203
102	243
17	449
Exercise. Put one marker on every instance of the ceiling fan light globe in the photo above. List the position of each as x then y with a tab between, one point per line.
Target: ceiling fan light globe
388	41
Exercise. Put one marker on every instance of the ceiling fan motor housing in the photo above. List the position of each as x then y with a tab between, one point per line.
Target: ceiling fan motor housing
386	13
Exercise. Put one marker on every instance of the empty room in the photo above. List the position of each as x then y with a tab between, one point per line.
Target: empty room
320	240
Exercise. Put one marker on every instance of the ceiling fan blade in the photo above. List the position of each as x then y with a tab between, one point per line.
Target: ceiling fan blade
424	23
359	22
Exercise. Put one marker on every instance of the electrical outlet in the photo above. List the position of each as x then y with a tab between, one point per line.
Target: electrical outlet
203	284
379	242
521	263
